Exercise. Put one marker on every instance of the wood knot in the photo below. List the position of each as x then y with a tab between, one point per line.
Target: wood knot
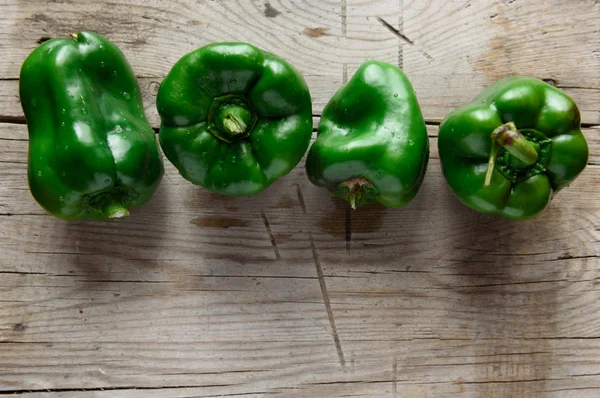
19	327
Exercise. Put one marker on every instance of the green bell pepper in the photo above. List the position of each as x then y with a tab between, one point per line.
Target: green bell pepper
92	152
234	118
513	148
372	143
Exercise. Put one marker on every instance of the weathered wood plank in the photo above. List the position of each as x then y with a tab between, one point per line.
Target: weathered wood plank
288	293
459	47
373	372
429	299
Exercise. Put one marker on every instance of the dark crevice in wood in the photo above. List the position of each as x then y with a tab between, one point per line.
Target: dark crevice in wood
390	271
327	302
585	375
395	31
301	198
518	254
23	273
569	257
12	162
325	383
509	283
61	253
471	339
577	87
120	281
403	37
348	231
499	354
23	214
511	381
42	39
107	388
574	388
323	286
12	119
243	393
207	276
344	17
270	233
213	373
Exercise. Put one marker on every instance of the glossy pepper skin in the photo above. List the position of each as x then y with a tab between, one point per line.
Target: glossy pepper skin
234	118
372	143
545	155
92	152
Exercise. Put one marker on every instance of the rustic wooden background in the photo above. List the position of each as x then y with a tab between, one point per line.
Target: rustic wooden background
288	293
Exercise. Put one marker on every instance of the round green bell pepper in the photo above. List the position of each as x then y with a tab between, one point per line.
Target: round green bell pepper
234	118
92	152
372	143
513	148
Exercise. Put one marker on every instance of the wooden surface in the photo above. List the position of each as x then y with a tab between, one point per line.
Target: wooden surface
288	293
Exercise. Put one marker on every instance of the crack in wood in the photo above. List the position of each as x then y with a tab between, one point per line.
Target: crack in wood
400	29
322	285
395	376
108	388
270	233
513	381
505	284
403	37
348	234
300	198
327	302
569	257
325	383
12	119
244	393
573	388
344	17
23	273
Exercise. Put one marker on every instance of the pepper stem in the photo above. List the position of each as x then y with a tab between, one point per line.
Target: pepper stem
356	189
233	119
114	210
515	143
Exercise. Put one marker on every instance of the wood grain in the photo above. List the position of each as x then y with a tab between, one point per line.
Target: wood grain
458	48
288	293
194	290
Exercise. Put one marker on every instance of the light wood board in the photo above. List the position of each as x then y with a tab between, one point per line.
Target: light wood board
288	293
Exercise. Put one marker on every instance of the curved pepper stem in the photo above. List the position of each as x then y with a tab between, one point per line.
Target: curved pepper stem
357	187
515	143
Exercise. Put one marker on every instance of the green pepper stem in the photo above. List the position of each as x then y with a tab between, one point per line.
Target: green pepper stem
515	143
356	187
114	210
233	119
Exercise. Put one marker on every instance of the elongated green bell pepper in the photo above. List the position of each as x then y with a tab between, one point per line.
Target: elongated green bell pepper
92	152
234	118
513	148
372	143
